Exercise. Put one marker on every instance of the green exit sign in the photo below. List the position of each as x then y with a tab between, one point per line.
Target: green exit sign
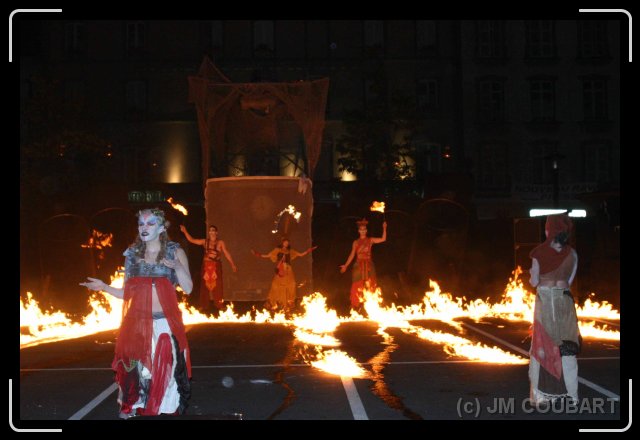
145	196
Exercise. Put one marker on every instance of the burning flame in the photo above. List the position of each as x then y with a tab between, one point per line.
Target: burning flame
291	210
453	345
377	206
177	206
316	339
589	330
339	363
317	317
315	325
37	327
100	241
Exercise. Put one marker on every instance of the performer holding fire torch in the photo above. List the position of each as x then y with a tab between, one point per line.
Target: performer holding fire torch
363	274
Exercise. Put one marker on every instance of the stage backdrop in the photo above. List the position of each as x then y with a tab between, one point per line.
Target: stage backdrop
245	210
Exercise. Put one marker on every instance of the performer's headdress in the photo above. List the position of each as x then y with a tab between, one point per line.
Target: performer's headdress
556	224
362	222
159	213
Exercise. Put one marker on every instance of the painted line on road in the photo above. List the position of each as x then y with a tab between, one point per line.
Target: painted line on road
357	408
582	380
95	402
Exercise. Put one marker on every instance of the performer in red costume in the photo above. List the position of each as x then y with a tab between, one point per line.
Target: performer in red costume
553	368
152	360
211	284
363	274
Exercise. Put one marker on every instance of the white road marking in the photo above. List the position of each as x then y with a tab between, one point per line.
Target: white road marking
583	381
357	408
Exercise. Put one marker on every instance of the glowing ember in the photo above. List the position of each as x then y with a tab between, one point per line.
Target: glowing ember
339	363
377	206
177	206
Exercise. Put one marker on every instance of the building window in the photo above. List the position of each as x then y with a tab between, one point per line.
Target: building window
492	167
596	162
136	96
74	93
540	39
427	95
75	39
490	39
373	37
428	158
373	33
491	100
263	37
541	161
136	37
214	34
426	37
594	99
592	39
373	91
543	100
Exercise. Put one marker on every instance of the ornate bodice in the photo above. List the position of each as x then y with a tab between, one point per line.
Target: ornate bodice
134	266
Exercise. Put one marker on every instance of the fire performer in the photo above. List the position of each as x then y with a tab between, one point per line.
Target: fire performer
363	274
283	285
211	283
152	360
556	340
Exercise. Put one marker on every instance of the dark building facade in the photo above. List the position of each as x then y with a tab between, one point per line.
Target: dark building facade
501	101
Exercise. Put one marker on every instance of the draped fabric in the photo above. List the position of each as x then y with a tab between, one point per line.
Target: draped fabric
283	284
136	330
233	115
363	273
555	342
211	286
548	258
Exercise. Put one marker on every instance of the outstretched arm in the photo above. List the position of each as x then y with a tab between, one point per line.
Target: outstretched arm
198	241
99	285
227	255
295	254
384	235
343	267
308	251
259	255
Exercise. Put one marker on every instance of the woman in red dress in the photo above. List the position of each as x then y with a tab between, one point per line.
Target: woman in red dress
211	290
363	274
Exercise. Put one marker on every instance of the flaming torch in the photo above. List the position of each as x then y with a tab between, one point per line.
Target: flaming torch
291	210
177	206
378	206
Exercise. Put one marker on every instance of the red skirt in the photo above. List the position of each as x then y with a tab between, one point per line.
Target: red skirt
211	284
